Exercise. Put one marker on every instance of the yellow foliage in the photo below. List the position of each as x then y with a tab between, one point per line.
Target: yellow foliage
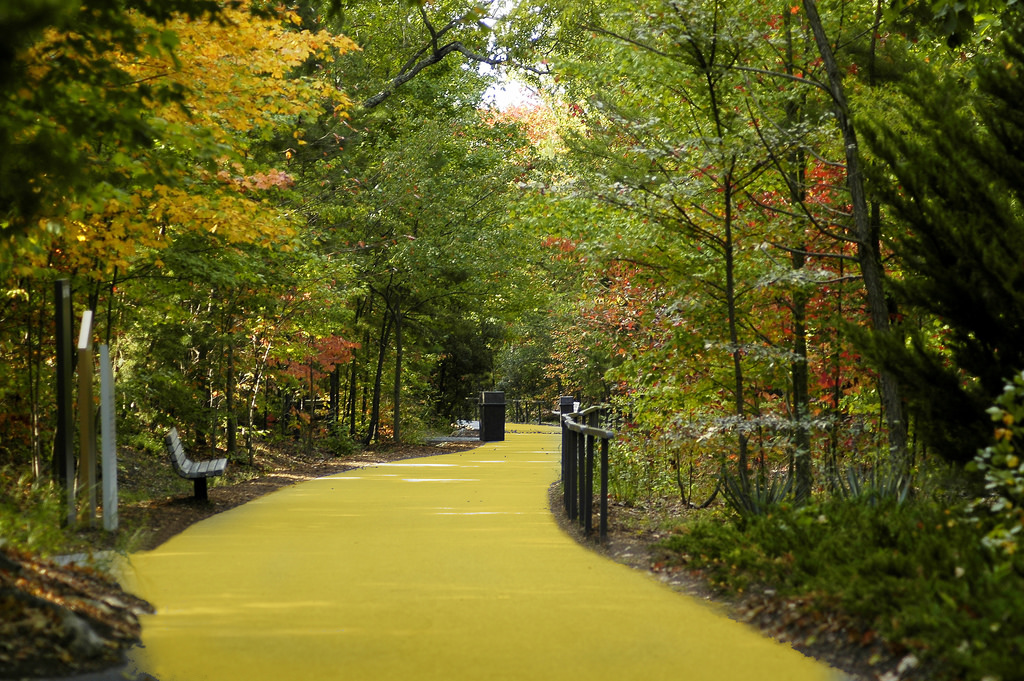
239	79
237	71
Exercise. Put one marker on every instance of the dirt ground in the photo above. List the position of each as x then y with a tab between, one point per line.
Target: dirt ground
39	640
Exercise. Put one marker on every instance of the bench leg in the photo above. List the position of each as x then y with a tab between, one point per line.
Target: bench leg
200	485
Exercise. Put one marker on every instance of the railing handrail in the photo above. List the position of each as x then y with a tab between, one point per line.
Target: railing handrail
572	425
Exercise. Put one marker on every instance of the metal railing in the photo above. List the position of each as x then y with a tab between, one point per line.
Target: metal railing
579	432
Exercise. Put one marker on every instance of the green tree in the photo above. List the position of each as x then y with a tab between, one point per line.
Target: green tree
403	40
956	183
698	188
152	185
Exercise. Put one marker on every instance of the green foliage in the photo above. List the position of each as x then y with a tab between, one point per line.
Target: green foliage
73	101
877	484
339	443
955	185
707	204
30	513
638	472
913	573
959	21
1001	511
757	495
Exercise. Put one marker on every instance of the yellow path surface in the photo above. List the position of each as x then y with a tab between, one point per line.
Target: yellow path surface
448	568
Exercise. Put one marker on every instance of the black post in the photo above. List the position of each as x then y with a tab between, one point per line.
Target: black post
565	406
592	420
63	445
581	473
588	489
571	472
200	490
492	416
604	489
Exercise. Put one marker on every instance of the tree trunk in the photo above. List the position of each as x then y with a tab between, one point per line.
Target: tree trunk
796	178
335	397
35	371
229	395
353	386
353	389
867	240
398	374
385	333
258	372
732	311
801	391
308	439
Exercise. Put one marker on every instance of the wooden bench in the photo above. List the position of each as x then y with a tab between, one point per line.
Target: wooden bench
196	471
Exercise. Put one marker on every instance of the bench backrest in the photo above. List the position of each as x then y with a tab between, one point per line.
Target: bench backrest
176	451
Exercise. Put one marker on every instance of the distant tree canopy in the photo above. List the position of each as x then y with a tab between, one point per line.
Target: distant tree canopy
260	252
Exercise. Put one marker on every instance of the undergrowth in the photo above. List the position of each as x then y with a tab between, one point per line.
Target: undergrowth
30	513
33	519
915	574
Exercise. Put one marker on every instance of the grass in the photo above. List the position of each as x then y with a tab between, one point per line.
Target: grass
30	513
33	519
915	574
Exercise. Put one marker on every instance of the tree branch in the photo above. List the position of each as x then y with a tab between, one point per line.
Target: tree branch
433	53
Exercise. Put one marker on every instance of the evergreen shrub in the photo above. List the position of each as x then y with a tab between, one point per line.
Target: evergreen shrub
915	574
1001	511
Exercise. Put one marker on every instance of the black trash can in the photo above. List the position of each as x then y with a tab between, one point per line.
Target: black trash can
492	416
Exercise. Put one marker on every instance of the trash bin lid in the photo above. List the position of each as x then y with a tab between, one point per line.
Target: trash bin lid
492	397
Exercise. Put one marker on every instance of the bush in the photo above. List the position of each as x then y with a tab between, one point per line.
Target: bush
1001	513
30	513
639	471
914	573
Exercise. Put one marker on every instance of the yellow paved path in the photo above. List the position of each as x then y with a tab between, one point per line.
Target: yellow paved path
447	568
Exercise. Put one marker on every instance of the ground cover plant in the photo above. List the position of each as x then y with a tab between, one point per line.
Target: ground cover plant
934	570
915	575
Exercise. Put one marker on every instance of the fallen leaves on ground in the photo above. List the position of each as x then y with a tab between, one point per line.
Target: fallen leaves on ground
80	617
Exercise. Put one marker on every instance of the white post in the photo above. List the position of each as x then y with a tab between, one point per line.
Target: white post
86	414
109	431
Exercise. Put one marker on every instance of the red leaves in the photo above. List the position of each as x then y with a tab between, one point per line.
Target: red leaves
318	356
565	247
272	179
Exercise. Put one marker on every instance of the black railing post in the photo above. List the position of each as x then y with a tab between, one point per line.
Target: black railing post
592	420
581	474
571	473
565	407
604	489
588	488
